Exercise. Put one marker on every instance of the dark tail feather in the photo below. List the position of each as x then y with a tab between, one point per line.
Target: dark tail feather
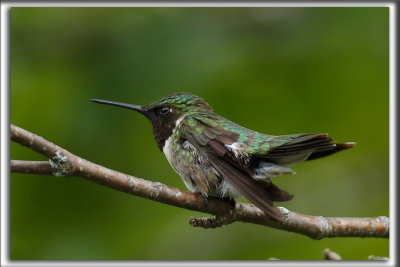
326	151
310	146
276	194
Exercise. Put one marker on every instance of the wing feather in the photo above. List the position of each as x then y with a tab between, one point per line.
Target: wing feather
246	186
210	139
215	151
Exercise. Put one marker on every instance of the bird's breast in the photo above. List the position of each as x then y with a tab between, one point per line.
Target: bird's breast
168	150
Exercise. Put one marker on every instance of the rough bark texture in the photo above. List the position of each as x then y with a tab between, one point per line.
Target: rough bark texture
64	163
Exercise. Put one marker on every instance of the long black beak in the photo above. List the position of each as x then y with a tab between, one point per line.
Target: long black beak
124	105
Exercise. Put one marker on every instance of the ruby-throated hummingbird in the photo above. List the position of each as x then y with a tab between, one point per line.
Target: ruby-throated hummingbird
216	157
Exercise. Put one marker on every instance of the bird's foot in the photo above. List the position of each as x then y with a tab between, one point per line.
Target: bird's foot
216	220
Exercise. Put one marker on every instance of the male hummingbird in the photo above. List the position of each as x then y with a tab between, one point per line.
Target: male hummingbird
216	157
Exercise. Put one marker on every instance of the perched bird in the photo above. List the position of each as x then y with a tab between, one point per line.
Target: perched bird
216	157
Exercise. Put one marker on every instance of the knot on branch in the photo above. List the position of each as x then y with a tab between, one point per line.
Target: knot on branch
59	163
285	213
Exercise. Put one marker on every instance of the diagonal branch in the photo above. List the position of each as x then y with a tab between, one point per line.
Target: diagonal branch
64	163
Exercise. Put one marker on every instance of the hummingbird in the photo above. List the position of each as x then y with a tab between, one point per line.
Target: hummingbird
217	157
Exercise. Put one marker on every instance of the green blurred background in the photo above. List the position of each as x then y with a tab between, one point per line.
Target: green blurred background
273	70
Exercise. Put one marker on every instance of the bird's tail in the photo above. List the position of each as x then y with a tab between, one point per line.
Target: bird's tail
335	147
305	147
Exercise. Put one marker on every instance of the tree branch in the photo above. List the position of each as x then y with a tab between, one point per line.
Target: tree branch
64	163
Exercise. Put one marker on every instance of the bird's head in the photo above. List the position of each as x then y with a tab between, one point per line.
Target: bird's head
166	113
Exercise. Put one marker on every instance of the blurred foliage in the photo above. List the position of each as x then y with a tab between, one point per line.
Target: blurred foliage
273	70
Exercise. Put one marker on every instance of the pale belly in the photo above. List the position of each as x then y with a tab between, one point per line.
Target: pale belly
196	172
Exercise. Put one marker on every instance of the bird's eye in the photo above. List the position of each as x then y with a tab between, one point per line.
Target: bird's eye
164	110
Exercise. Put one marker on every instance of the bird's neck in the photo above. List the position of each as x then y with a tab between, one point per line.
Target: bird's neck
164	131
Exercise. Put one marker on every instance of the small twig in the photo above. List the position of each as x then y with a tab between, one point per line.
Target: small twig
64	163
330	255
32	167
377	258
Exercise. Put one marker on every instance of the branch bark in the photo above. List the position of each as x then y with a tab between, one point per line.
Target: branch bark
64	163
